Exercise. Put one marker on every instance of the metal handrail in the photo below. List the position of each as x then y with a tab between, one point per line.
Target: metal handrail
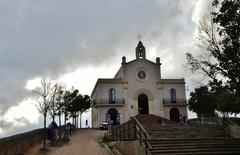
142	128
122	133
141	132
223	123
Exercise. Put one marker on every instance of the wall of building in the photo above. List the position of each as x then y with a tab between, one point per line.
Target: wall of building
151	86
180	90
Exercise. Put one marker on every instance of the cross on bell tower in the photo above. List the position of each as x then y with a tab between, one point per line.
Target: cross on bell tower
140	49
140	37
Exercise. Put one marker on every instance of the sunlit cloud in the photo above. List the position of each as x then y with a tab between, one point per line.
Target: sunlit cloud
26	109
202	8
33	83
84	79
152	52
1	131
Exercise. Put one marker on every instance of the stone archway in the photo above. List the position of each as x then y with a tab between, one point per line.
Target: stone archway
174	114
143	91
143	104
113	116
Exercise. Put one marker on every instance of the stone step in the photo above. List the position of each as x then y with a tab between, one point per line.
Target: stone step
193	136
191	142
201	153
183	129
192	150
185	132
181	140
193	146
183	136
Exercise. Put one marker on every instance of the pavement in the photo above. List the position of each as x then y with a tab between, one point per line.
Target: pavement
84	142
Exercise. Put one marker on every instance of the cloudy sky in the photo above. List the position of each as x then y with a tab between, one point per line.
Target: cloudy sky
77	41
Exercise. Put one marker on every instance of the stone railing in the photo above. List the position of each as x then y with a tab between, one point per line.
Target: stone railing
105	102
20	143
179	101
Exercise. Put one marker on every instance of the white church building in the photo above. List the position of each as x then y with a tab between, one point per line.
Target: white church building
137	88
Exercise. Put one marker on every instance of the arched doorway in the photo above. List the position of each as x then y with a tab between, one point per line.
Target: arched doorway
143	104
113	116
174	114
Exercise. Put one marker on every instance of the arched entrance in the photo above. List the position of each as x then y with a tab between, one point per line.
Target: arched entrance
113	116
143	104
174	114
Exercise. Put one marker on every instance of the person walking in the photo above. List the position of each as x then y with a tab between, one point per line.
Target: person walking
86	123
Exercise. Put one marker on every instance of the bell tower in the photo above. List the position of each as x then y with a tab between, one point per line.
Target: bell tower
140	51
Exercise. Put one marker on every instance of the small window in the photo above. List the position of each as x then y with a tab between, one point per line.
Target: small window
112	95
173	97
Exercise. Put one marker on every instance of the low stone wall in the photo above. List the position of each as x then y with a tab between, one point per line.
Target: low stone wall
20	143
130	148
234	131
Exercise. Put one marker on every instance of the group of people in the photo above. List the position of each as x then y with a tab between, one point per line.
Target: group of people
182	120
68	130
53	133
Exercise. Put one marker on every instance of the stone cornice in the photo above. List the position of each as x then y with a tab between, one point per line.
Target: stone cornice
171	81
106	80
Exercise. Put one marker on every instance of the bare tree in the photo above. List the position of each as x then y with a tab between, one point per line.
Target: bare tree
43	101
56	92
219	39
58	104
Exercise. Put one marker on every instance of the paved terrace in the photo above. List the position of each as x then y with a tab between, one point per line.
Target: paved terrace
84	142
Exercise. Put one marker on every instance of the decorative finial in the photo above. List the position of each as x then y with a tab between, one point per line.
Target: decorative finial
140	37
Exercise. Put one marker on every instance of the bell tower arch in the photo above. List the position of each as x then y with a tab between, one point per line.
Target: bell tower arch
140	51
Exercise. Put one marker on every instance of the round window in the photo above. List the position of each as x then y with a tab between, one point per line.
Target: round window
142	74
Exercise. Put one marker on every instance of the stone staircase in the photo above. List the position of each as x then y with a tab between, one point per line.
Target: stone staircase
168	137
195	146
173	138
178	131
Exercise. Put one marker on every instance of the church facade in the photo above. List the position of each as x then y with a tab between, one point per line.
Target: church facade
137	88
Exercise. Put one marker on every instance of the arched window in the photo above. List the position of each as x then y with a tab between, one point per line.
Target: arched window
112	95
173	97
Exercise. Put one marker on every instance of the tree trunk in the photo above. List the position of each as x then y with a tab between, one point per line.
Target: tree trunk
65	121
44	136
60	128
53	117
59	120
80	120
77	121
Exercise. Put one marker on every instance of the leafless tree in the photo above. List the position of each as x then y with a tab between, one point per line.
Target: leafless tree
44	101
56	92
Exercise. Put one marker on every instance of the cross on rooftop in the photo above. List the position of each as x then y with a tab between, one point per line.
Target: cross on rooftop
140	37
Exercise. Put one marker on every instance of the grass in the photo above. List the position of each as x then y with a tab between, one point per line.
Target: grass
43	151
105	141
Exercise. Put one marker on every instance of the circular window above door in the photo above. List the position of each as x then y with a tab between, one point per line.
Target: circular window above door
142	74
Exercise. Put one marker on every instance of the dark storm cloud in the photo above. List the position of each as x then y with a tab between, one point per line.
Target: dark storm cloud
49	38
